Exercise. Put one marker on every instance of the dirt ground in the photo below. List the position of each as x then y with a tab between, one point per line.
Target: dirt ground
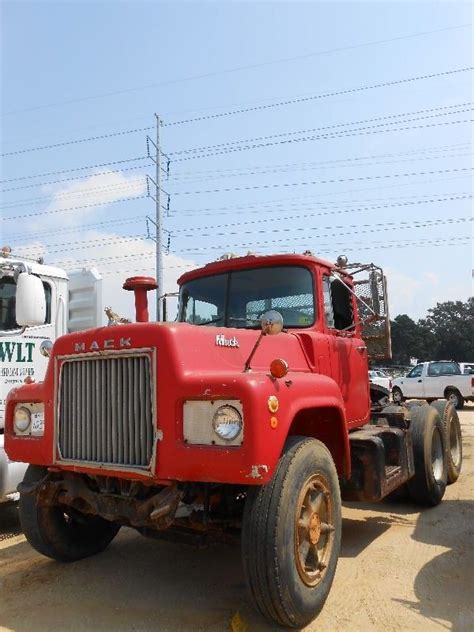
399	569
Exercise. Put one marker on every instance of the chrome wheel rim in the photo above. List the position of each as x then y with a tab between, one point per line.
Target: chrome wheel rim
437	455
455	443
314	530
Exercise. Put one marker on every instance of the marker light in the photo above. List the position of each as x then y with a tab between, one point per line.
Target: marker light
279	368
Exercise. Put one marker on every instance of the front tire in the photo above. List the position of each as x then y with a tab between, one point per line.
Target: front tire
428	485
59	532
452	437
291	535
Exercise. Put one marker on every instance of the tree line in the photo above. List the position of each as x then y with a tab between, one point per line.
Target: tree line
447	333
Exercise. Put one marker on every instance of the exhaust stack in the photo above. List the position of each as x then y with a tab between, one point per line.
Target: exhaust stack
141	285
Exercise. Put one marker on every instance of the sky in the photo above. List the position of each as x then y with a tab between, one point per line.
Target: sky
338	127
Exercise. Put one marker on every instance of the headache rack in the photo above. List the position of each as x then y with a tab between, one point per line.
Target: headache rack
370	290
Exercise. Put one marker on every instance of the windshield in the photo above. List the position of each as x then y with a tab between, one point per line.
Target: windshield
239	298
7	304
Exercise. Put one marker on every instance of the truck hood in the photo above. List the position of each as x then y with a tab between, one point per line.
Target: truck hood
187	348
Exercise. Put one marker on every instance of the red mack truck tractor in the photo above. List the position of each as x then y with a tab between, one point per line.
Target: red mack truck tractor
251	414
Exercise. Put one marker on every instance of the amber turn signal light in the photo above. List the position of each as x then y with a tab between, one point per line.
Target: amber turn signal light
279	368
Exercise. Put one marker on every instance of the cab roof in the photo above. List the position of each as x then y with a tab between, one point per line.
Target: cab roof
253	261
36	268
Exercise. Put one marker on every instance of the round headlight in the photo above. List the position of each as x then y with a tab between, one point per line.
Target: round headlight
45	348
22	419
227	423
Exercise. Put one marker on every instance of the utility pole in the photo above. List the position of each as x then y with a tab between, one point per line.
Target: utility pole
159	223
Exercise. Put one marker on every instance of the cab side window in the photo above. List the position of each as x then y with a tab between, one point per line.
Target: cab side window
416	372
337	304
47	294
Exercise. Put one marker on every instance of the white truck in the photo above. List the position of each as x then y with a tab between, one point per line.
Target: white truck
71	303
435	380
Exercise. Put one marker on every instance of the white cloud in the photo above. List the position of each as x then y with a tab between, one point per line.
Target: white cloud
92	195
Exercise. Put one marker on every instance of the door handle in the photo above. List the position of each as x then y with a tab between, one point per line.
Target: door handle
361	349
420	380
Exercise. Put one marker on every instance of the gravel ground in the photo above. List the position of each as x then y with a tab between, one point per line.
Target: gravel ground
399	569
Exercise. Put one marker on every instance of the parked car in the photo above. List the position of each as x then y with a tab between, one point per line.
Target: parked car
379	377
435	380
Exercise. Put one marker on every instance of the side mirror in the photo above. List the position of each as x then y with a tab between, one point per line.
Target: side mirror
30	300
271	322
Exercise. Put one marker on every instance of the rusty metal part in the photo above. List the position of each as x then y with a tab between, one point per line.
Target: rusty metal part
314	530
381	460
156	510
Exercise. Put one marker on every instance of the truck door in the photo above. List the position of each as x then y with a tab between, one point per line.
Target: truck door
348	352
412	383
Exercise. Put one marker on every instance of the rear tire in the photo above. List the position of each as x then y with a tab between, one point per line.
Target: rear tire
291	535
428	485
58	532
452	437
455	397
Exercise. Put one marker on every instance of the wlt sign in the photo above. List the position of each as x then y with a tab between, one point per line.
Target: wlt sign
16	351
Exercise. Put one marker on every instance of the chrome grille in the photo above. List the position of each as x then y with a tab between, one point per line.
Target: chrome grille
105	411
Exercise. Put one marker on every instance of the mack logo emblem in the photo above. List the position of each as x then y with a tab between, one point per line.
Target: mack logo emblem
222	341
106	344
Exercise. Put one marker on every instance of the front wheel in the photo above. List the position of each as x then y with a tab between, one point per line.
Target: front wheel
58	532
291	535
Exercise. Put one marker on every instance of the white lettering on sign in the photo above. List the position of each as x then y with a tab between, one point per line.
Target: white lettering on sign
222	341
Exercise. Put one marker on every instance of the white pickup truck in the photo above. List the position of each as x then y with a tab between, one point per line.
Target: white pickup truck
435	380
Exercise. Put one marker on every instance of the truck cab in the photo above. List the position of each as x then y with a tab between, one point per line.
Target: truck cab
67	304
252	412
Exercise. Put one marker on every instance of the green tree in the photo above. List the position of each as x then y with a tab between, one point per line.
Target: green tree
451	325
410	340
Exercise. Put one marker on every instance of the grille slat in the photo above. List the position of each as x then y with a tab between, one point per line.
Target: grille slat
105	411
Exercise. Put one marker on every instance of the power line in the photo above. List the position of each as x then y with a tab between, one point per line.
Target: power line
241	111
442	241
305	166
57	173
374	228
237	69
66	231
345	134
441	148
81	193
329	211
88	175
75	141
72	208
277	185
324	95
441	112
289	202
